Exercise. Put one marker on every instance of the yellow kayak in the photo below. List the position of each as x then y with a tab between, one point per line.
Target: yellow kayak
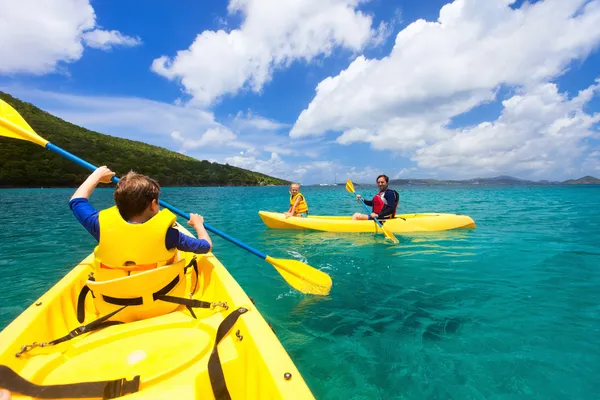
425	222
171	356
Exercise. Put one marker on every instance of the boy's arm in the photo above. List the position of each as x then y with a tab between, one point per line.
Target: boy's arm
86	215
183	242
197	221
101	174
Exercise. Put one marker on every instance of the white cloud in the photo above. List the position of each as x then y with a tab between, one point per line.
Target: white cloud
217	136
256	122
273	34
305	172
592	163
273	166
149	121
101	39
385	29
540	130
438	70
36	35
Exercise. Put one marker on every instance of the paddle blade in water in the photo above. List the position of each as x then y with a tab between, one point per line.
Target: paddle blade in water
13	125
349	186
302	277
389	235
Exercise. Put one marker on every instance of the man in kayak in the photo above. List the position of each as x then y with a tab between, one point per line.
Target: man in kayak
298	205
384	203
136	198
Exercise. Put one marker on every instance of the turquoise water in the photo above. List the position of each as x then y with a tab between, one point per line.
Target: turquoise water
509	310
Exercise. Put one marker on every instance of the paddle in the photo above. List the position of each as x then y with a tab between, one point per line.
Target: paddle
299	275
388	234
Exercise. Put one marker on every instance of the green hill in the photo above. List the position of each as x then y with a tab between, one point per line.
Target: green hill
24	164
586	180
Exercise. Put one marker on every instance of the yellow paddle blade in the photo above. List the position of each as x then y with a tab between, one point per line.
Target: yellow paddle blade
302	277
389	235
13	125
349	186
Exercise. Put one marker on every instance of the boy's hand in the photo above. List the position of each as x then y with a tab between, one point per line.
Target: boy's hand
196	220
103	174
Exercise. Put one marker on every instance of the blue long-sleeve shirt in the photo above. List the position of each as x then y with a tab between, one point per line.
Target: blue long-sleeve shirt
87	215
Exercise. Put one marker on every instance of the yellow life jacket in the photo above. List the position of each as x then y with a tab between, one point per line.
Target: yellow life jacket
126	248
302	206
131	262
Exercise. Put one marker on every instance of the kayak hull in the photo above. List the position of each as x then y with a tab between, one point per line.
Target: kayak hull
424	222
169	353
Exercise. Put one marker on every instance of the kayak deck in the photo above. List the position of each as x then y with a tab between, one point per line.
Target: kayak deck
170	353
422	222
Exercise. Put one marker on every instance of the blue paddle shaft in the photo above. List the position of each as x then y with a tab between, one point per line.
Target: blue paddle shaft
177	211
367	208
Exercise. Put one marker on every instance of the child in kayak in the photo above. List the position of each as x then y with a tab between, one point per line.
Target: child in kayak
136	197
298	205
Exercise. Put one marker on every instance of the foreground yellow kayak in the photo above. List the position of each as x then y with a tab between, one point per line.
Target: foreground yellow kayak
171	356
401	223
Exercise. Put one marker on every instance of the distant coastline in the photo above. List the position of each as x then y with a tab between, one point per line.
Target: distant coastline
495	181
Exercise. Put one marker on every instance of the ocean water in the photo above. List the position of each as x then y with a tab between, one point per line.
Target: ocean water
509	310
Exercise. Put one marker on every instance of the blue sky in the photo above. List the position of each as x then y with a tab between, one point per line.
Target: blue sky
311	90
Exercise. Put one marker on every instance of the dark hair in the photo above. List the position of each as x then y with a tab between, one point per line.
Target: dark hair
387	180
134	193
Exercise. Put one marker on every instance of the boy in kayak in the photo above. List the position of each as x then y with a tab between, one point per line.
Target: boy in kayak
136	198
384	203
298	205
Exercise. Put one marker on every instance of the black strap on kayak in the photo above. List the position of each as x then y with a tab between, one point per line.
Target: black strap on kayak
81	303
215	371
92	326
193	263
15	383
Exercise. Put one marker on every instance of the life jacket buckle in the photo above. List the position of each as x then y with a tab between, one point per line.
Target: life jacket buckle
223	304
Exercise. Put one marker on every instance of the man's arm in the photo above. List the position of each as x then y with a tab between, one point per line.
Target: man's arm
367	202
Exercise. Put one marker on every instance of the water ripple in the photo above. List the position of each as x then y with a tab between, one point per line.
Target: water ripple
508	310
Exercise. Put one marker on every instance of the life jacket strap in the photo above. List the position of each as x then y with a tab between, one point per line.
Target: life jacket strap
15	383
137	267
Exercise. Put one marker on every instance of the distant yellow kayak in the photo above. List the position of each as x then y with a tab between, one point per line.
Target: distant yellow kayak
425	222
171	356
